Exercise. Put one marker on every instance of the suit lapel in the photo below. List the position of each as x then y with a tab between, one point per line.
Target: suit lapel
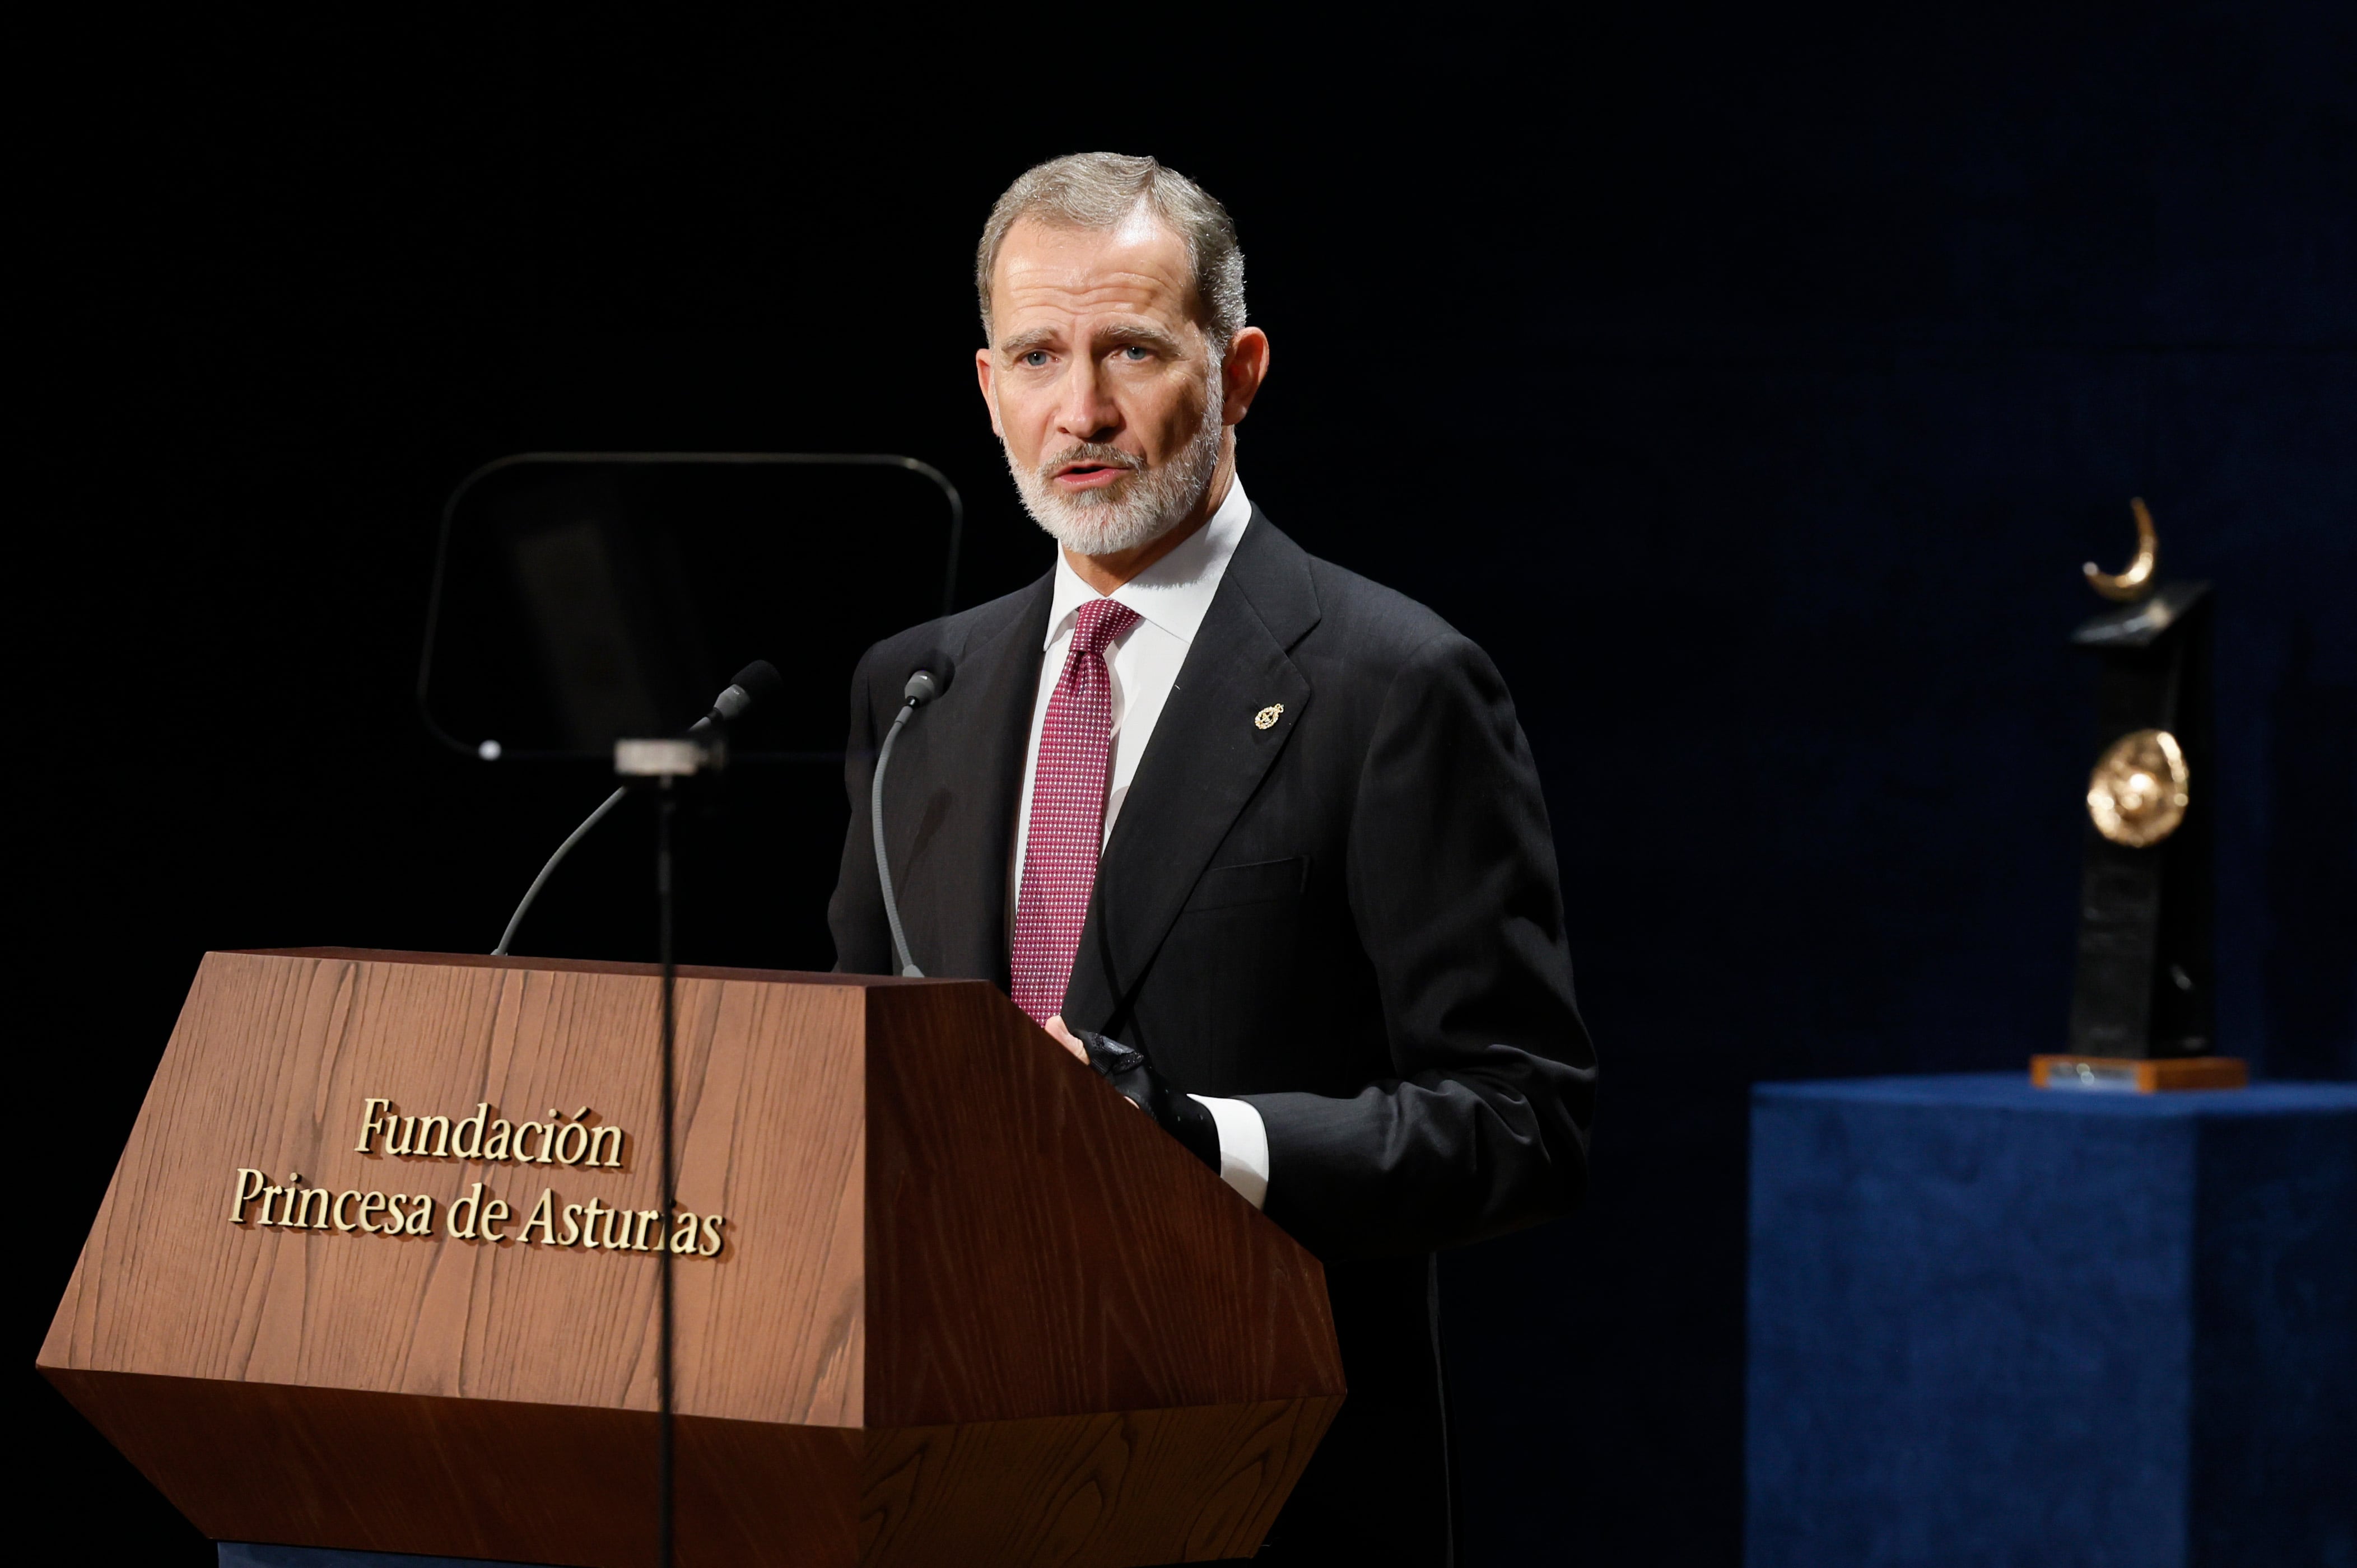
1206	758
950	825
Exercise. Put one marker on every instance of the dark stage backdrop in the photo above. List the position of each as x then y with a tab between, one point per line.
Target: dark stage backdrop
1752	389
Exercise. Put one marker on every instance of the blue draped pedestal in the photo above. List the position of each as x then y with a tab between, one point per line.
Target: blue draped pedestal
1997	1325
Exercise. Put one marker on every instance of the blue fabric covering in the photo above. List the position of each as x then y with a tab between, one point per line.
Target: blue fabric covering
1991	1324
254	1554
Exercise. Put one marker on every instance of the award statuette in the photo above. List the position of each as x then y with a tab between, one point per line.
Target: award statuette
2141	1012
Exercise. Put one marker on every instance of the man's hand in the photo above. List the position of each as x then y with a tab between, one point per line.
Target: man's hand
1071	1041
1133	1076
1065	1038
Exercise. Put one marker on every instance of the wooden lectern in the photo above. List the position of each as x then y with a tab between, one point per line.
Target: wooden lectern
942	1295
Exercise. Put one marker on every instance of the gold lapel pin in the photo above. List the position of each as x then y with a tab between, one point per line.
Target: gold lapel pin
1267	718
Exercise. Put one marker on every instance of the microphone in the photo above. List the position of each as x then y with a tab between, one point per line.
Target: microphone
757	684
931	679
751	687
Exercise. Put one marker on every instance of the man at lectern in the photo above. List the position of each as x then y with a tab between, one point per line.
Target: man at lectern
1199	795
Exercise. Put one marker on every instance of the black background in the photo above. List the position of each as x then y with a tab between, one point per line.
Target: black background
1751	386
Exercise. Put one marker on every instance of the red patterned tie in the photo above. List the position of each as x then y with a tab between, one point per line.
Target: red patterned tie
1067	802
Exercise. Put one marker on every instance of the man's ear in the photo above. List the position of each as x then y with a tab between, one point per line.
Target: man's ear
1242	373
983	367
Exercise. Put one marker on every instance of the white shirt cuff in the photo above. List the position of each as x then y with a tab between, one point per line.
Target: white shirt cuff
1243	1147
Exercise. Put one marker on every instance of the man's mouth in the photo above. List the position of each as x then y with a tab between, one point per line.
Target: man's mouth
1088	474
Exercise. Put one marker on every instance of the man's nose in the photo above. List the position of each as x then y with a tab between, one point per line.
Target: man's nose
1087	412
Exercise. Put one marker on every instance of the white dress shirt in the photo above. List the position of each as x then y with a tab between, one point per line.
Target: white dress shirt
1171	597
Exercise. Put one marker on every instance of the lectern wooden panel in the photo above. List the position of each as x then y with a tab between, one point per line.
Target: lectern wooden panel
378	1269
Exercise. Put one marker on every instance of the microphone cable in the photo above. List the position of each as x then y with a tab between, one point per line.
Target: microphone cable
922	688
532	892
756	684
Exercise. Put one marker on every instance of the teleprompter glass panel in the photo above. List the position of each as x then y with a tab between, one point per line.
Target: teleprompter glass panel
581	598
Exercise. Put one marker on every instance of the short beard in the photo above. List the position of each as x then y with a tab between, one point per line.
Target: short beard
1131	511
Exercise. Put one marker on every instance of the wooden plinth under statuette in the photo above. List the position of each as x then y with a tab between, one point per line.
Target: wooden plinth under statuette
2135	1074
942	1295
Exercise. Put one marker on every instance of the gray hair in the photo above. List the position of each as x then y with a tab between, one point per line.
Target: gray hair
1097	191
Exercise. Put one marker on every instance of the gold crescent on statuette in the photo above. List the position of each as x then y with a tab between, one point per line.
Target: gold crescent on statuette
2135	582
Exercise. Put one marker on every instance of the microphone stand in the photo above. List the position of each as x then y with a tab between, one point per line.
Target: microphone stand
704	748
667	1425
665	761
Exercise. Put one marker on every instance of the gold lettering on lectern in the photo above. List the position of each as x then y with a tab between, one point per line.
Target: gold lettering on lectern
577	1142
541	1219
487	1137
256	1201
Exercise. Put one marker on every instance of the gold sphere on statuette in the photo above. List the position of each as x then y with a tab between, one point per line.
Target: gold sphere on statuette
1267	718
2137	794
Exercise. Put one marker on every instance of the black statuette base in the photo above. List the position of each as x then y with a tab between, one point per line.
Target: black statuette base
2144	970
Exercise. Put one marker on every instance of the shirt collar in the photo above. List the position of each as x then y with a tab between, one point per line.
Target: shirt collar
1175	593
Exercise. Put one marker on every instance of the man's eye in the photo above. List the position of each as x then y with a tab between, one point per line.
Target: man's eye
1134	353
1035	358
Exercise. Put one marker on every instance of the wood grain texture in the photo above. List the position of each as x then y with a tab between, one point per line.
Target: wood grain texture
531	1483
973	1307
268	1068
1137	1486
463	1477
1031	1254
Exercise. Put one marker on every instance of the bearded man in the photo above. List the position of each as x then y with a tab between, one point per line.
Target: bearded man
1199	794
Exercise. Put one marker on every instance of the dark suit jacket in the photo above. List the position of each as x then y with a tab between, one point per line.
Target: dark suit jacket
1351	918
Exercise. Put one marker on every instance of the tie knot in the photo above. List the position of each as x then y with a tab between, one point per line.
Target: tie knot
1101	620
